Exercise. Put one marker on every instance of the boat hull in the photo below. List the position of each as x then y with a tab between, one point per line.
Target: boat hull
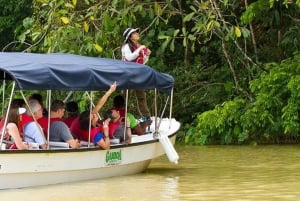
27	168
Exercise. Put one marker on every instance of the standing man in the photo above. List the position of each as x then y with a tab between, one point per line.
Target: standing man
133	51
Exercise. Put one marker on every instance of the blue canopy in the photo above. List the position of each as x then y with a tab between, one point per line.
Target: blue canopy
58	71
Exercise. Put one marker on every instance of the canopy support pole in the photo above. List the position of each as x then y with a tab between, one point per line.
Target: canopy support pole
48	103
171	108
155	134
93	105
90	122
6	115
3	91
68	96
163	112
126	110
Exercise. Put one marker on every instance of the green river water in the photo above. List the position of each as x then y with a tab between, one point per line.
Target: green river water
240	173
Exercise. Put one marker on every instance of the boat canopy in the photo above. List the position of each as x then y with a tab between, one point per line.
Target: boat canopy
60	71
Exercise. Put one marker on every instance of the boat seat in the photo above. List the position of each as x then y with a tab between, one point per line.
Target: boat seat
86	144
34	145
59	145
115	141
112	141
54	145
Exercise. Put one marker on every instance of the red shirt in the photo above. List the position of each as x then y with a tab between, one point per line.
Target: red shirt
25	119
121	111
112	127
84	134
43	121
140	58
69	120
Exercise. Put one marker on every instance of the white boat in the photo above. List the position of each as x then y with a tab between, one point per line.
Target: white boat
60	164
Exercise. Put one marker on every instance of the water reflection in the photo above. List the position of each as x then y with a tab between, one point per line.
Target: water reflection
203	173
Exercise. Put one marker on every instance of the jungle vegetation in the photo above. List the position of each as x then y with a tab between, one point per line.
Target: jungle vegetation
236	63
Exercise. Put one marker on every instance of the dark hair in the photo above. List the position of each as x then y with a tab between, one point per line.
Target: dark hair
119	101
72	107
37	97
56	105
13	116
131	45
17	102
84	120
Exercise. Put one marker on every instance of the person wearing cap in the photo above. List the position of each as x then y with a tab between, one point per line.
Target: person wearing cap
12	129
133	51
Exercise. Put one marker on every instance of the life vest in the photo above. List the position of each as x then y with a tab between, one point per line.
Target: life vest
84	134
25	119
69	120
43	121
10	144
140	58
121	111
112	128
6	136
44	124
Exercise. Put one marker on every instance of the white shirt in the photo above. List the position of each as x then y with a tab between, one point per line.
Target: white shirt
127	55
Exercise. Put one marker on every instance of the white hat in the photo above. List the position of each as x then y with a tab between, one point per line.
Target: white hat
22	110
129	31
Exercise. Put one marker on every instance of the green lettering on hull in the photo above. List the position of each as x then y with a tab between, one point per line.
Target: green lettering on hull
113	157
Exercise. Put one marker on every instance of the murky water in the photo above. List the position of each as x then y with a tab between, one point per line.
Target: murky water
268	173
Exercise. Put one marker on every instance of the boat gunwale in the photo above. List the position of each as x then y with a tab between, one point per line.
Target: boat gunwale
82	149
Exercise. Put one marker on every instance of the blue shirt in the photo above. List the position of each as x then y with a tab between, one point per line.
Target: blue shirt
32	133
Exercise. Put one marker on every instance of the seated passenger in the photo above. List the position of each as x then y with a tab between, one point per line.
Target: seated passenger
59	131
98	135
117	126
138	128
39	98
32	130
17	102
72	112
43	121
12	129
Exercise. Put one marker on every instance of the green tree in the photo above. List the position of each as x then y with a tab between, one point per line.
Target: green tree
273	116
214	49
12	13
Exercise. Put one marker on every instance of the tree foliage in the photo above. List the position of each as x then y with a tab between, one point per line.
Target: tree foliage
214	49
273	116
12	13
